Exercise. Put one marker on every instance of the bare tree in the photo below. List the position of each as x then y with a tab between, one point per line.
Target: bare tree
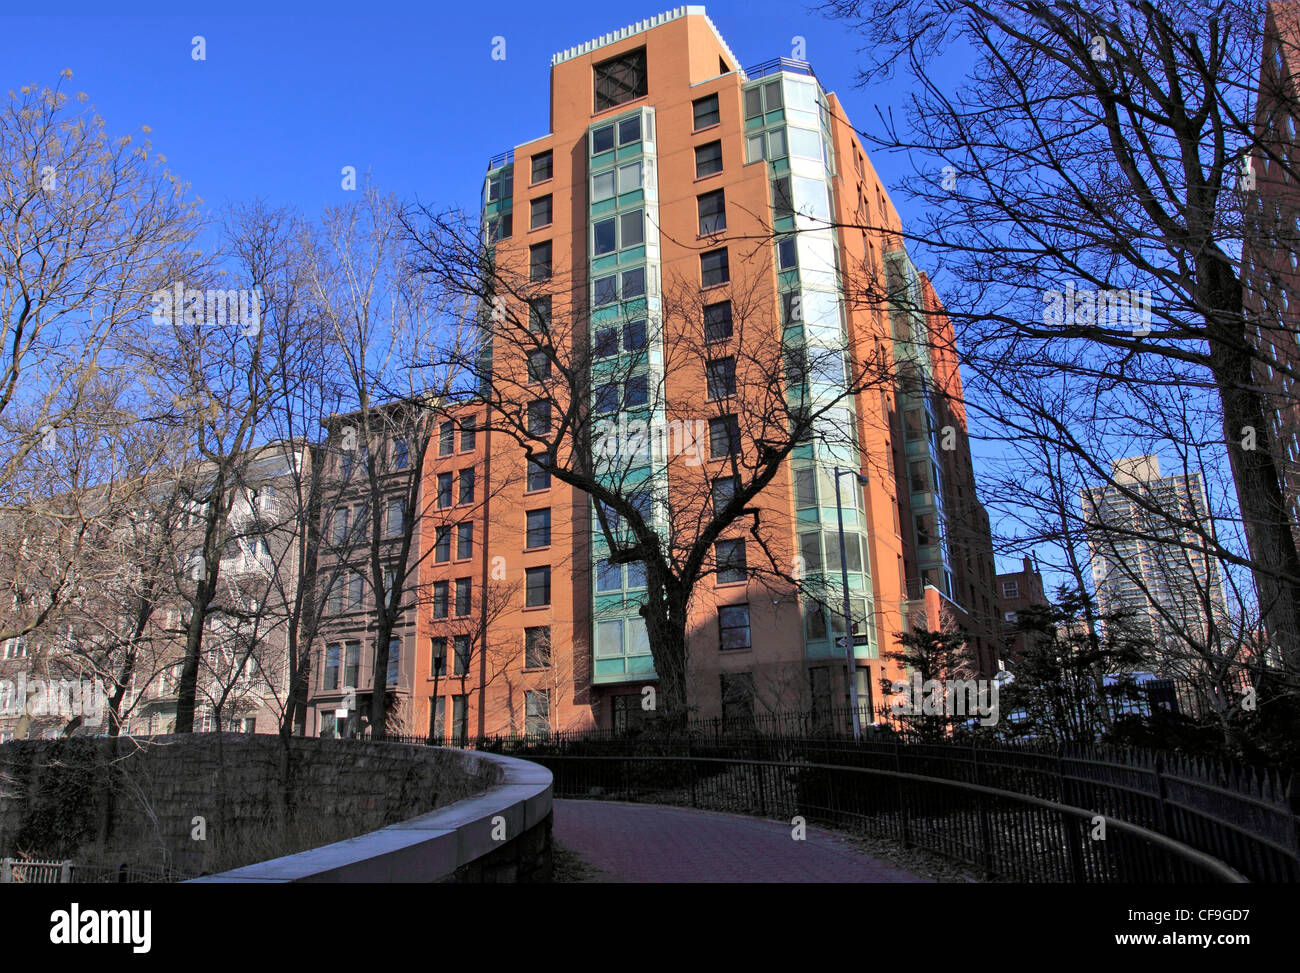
1088	187
677	483
94	225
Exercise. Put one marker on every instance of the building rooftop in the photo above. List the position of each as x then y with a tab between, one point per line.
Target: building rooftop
640	27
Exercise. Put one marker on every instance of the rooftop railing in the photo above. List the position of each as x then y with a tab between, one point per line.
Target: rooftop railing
501	159
790	64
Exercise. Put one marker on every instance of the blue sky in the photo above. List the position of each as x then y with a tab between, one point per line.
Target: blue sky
408	91
290	93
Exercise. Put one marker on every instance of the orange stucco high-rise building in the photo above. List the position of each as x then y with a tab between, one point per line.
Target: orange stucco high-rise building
675	188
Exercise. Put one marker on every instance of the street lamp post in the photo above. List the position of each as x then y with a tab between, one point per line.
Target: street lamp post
851	662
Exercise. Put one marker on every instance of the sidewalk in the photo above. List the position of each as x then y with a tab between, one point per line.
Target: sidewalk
650	843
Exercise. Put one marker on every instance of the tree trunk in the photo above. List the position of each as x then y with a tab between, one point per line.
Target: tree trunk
665	615
1260	494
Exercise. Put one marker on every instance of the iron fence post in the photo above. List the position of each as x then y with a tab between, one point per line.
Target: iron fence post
690	761
6	871
1070	827
904	824
1162	794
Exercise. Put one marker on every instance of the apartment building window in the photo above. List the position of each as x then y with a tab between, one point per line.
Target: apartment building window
537	582
539	472
395	519
762	99
606	344
537	647
446	438
441	597
708	159
636	392
350	459
786	256
626	178
609	576
720	374
634	336
712	210
706	111
717	321
539	417
737	699
401	454
539	313
724	436
438	655
782	198
714	268
539	213
537	711
352	665
437	717
805	487
730	559
468	434
466	486
460	662
918	478
620	232
390	581
539	261
356	590
464	541
464	589
766	145
330	675
620	80
925	533
539	366
542	166
341	518
733	627
500	227
1010	589
442	544
501	185
626	712
606	290
459	720
394	661
444	490
539	528
724	489
791	308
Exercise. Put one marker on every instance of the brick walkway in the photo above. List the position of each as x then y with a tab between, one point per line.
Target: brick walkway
648	843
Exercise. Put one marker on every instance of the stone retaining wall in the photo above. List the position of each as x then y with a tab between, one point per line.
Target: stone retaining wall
60	796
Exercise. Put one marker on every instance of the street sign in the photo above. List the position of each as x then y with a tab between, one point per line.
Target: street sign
842	641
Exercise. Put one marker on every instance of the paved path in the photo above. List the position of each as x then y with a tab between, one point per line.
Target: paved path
649	843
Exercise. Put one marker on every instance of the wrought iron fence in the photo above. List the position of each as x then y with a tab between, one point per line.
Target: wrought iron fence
1244	817
1000	833
20	871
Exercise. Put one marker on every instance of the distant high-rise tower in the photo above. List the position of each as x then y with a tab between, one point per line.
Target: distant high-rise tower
1147	557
